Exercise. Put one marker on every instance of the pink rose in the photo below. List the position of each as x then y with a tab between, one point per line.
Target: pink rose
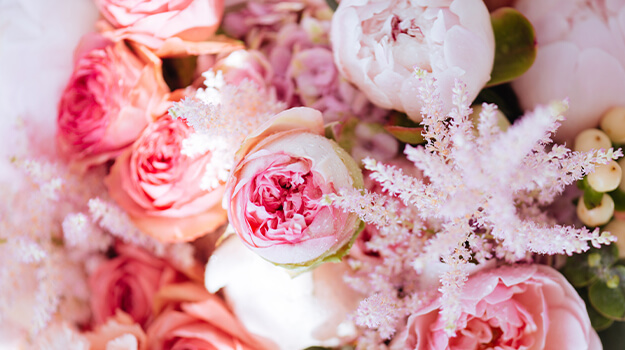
129	283
119	332
110	97
581	55
274	193
162	23
377	45
511	307
198	320
159	186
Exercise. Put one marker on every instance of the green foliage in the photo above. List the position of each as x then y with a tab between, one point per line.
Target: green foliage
515	45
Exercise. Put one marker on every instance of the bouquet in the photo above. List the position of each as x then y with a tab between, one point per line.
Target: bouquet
308	174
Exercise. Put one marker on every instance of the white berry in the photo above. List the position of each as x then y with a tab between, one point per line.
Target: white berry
598	215
606	177
592	139
613	124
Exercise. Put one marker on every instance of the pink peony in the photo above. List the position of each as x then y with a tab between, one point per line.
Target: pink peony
129	283
581	55
160	24
196	319
160	187
511	307
274	193
377	45
109	99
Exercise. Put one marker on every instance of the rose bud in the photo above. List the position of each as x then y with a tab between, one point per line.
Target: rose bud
159	186
275	190
111	96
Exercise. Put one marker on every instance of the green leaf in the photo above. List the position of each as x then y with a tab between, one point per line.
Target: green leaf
619	199
515	45
332	4
609	300
613	338
405	134
583	269
597	321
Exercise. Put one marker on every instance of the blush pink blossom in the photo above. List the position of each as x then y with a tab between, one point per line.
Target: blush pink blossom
160	187
511	307
581	55
274	192
119	332
162	23
194	319
129	283
377	45
111	96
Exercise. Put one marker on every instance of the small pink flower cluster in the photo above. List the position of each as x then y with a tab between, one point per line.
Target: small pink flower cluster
289	43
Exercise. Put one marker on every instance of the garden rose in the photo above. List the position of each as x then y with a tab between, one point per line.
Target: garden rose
309	310
129	282
160	187
581	55
198	320
377	45
119	332
511	307
160	24
274	192
110	97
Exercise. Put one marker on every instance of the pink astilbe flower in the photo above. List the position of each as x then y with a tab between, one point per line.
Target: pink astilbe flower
482	193
222	115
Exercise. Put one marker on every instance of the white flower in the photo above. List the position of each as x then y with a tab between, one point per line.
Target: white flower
377	45
295	313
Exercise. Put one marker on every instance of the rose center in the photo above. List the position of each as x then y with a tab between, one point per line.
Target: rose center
284	201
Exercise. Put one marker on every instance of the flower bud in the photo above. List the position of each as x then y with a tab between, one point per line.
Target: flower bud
606	177
617	228
613	124
598	215
592	139
621	163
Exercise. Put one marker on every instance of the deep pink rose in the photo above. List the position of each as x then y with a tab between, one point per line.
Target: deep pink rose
110	97
163	23
274	192
194	319
159	186
511	307
129	282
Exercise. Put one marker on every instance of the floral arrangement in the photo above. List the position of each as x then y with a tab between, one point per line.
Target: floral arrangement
311	174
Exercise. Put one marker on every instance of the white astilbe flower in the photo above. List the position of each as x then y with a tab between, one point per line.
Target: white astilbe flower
222	115
481	196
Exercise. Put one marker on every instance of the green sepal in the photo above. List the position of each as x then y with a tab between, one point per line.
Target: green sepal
609	300
295	270
515	45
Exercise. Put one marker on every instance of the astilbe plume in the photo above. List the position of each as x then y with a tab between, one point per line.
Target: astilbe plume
481	197
222	115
